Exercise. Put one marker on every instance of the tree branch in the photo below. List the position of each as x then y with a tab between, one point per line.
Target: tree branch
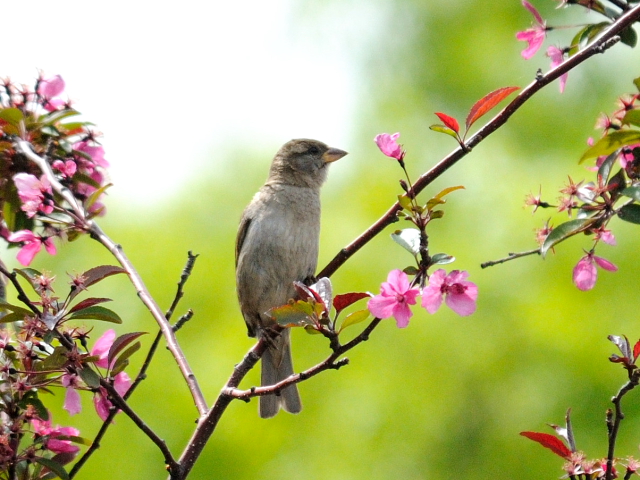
601	43
116	250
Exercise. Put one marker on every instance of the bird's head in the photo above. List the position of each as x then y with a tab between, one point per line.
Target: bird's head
303	163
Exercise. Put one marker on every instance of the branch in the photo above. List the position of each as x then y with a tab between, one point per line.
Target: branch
208	423
601	43
613	421
116	250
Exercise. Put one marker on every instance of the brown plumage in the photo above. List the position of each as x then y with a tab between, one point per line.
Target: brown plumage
277	244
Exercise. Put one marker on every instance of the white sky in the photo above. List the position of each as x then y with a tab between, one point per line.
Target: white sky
173	84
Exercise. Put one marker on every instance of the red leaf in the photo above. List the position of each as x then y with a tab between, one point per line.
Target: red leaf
340	302
448	121
487	102
636	350
89	302
549	441
120	343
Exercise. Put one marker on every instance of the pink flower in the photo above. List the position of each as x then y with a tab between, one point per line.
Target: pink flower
50	89
557	57
395	297
36	195
68	168
31	245
96	153
122	383
72	397
535	35
388	145
605	235
43	428
102	346
459	294
585	273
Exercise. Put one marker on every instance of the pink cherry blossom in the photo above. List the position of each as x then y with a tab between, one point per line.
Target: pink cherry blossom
395	297
96	153
605	235
459	294
534	36
35	194
67	169
557	57
585	272
43	428
50	89
72	402
31	245
388	145
102	346
101	402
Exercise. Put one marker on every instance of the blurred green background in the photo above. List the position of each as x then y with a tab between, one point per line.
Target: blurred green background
446	397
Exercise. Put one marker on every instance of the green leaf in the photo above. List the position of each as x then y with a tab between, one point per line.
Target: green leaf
442	259
605	167
447	191
96	313
632	117
355	317
405	202
123	360
443	129
564	231
610	143
56	115
16	309
56	360
13	116
630	213
11	317
93	198
409	239
292	315
82	178
636	82
55	467
632	192
436	214
628	36
91	378
31	398
311	330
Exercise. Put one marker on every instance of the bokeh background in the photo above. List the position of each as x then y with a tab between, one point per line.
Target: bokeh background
193	100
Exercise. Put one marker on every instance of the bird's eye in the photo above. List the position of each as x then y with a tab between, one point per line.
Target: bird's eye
313	150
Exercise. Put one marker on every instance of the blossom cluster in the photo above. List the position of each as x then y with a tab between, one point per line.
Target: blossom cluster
32	212
591	205
397	295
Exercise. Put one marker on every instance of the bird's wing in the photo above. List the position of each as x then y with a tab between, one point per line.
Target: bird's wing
242	234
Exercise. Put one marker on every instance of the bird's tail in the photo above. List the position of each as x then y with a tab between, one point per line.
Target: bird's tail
276	366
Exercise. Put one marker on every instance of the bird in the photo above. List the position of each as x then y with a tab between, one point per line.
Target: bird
277	245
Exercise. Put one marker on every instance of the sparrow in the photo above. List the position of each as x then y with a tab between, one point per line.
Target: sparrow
276	245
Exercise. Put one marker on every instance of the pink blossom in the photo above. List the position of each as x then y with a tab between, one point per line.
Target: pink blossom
585	273
534	36
395	297
605	235
36	194
50	89
388	145
626	157
32	244
68	168
72	397
96	153
459	294
43	428
102	346
122	383
557	57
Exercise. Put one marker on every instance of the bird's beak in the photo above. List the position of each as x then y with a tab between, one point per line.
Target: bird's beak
332	155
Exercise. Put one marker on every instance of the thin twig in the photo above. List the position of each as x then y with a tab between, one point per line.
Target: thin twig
116	250
21	294
511	256
605	40
613	421
208	423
